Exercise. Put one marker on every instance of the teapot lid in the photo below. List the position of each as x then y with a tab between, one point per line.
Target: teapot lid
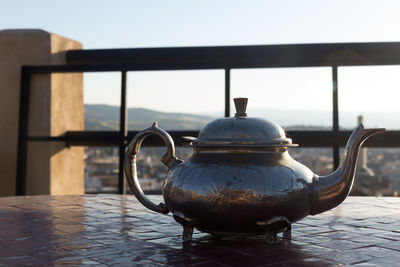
241	130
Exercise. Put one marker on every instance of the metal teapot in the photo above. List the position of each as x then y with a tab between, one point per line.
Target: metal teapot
241	179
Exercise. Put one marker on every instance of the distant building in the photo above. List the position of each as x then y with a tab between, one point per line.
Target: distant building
367	182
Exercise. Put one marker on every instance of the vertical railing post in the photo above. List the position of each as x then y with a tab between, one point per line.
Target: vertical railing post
23	132
335	111
123	133
227	92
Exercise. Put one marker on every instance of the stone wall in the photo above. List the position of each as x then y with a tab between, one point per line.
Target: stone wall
56	106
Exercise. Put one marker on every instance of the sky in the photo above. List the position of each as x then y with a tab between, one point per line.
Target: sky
132	24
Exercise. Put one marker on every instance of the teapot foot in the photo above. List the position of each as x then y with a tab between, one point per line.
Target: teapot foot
271	238
287	234
187	234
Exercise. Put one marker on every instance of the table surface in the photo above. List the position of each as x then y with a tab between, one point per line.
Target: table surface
117	230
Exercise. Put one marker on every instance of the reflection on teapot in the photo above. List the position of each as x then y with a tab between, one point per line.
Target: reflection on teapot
241	179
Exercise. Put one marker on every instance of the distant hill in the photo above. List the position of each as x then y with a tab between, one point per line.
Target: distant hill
105	117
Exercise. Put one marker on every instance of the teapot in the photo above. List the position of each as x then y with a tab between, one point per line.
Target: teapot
241	179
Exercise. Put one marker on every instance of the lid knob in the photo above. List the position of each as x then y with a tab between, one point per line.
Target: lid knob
240	105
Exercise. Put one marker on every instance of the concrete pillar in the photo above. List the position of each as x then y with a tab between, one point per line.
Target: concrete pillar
56	106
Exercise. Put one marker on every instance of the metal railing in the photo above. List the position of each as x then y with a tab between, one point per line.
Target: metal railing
197	58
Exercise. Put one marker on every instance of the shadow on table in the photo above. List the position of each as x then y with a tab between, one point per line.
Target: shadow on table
238	251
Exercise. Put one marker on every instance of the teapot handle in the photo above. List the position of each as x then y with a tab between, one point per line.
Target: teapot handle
168	159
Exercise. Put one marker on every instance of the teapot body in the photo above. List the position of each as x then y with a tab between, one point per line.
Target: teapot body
239	193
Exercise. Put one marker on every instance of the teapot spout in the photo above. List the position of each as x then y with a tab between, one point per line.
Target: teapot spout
329	191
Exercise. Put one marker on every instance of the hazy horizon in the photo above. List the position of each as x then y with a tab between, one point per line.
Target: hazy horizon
290	118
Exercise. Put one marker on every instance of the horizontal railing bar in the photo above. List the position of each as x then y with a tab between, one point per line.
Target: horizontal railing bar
326	138
43	69
227	57
292	55
111	138
47	138
165	66
303	138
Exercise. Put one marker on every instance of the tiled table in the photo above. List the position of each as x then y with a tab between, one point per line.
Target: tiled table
117	230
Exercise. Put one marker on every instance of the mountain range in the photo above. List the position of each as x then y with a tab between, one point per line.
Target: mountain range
106	117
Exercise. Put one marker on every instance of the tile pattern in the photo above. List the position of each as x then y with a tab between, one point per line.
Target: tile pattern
116	230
